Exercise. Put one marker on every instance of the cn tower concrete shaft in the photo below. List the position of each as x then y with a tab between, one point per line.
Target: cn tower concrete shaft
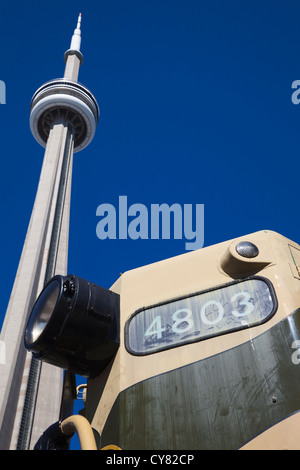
63	119
28	283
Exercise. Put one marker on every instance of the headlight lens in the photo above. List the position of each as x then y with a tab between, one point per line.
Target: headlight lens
74	324
42	312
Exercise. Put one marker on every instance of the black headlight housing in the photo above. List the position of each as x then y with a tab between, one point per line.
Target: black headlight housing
74	324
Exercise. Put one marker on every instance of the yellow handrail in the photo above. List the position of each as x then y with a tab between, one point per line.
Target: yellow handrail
84	431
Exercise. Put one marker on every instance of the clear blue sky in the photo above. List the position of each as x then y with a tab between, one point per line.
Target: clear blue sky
195	100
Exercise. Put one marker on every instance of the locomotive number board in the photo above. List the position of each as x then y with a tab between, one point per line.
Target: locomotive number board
221	310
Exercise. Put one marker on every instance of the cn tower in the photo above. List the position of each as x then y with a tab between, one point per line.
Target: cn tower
63	119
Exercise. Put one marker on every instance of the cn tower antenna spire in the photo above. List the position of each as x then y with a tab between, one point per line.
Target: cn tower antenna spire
79	21
76	38
73	56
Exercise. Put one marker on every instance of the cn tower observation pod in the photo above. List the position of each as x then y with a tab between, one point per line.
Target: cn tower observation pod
64	99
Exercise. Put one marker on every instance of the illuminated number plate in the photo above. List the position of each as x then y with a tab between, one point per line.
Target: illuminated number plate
232	307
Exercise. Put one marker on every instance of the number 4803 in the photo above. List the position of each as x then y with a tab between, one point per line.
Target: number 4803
183	317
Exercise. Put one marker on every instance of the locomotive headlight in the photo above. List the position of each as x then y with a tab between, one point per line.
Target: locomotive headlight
42	312
74	324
